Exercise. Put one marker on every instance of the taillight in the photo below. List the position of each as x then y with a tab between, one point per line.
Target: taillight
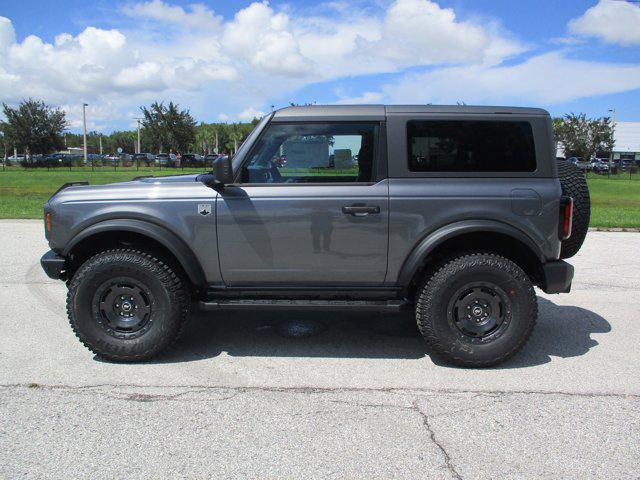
566	218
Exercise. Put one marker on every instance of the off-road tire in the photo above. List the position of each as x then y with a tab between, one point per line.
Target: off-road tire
168	308
575	185
437	323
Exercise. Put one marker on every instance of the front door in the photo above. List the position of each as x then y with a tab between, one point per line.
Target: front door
309	209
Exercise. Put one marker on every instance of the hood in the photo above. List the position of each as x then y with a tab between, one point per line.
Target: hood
138	188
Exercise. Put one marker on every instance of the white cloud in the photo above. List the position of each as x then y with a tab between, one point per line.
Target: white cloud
249	114
610	20
199	15
262	38
366	97
265	54
420	32
547	79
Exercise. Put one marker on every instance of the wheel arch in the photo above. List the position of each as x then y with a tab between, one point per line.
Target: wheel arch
467	235
141	234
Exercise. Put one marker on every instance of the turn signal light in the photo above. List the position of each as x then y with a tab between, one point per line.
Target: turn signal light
47	222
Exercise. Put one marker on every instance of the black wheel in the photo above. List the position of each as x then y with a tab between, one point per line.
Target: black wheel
575	185
477	310
126	305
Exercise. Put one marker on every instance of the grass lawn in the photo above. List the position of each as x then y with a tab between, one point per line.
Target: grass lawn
24	192
615	202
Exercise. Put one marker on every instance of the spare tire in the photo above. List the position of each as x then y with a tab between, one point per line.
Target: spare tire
575	186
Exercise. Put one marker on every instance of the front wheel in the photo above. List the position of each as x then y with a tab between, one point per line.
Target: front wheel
126	305
477	310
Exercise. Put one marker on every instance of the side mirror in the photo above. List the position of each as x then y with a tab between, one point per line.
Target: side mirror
222	174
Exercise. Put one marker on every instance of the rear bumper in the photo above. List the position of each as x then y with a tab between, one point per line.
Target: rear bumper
52	264
557	277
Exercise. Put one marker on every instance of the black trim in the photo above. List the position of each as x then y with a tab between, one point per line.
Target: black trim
53	264
557	277
306	292
181	251
70	184
286	304
416	258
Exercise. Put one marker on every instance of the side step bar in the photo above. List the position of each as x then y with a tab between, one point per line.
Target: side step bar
358	305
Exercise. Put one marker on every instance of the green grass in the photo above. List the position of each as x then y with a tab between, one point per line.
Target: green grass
615	201
24	192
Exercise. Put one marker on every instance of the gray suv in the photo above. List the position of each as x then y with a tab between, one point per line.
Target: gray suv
455	212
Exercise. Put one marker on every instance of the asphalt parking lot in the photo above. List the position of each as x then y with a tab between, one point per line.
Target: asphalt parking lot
240	396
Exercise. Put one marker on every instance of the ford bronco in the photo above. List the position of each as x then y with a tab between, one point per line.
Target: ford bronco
456	212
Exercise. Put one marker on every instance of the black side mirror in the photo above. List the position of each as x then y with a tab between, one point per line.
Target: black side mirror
222	174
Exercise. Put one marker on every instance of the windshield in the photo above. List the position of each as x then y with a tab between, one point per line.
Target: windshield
237	158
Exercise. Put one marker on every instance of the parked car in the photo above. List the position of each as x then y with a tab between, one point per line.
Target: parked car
624	164
599	165
396	234
580	163
192	160
147	159
166	159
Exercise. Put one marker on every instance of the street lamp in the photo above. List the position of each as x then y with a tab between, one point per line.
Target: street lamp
138	149
613	125
84	126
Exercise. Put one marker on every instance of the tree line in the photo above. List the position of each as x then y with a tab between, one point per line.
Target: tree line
34	127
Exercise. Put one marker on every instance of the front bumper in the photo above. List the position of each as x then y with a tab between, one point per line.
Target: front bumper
53	264
557	277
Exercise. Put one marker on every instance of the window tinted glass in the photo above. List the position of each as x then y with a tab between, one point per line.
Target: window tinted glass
470	146
313	153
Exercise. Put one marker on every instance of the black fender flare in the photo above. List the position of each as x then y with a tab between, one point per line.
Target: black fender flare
180	250
416	258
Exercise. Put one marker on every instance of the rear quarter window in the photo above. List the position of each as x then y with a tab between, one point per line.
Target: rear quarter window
470	146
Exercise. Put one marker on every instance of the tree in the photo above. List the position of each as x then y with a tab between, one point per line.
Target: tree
584	137
34	127
168	127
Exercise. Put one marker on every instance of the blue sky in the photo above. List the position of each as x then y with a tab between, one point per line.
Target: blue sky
229	60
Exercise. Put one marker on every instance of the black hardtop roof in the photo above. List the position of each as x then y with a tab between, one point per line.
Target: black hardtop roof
379	112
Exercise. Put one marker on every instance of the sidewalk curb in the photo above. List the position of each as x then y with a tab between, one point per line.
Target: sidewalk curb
614	229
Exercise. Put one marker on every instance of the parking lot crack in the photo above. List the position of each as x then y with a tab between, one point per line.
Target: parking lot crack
447	458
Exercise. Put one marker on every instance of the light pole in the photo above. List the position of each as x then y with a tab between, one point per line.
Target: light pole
84	126
613	125
138	145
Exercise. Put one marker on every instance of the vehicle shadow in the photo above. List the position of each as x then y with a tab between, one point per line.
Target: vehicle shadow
561	331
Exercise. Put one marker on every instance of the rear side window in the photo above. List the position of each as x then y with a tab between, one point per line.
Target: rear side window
470	146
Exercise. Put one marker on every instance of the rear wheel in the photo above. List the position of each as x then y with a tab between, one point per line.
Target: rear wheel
126	305
477	310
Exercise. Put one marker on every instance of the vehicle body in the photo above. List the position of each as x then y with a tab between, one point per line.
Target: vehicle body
192	160
146	158
436	194
599	165
583	165
166	159
624	164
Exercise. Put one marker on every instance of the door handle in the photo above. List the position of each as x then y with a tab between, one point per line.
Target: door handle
360	210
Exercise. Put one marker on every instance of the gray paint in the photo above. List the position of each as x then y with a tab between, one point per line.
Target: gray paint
296	233
271	234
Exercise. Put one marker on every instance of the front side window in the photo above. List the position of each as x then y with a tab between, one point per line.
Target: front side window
313	153
470	146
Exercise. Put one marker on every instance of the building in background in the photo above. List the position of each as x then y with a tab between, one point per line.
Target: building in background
627	141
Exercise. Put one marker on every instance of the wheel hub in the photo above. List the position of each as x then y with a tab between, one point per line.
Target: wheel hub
123	307
479	310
